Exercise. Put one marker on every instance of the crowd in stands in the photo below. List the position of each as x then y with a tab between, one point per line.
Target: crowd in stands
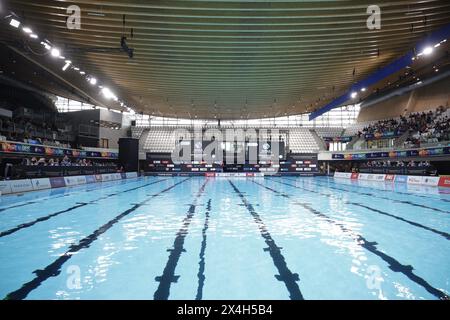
65	161
422	127
20	130
384	126
388	163
429	128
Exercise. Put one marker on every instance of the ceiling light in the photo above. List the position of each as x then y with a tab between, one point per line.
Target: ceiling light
82	72
363	89
353	95
46	45
76	69
34	36
427	50
65	66
14	23
93	81
55	52
27	30
68	61
108	93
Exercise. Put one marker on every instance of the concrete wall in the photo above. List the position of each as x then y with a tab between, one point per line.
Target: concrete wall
113	136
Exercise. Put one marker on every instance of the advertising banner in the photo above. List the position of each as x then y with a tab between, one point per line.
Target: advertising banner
444	181
22	185
401	179
430	181
17	147
346	175
5	187
42	183
90	179
57	182
415	180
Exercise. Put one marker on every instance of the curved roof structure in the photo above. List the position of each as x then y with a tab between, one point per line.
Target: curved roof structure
233	59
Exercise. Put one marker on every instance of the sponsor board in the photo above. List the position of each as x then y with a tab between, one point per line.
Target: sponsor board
22	185
415	180
389	177
106	177
346	175
354	176
123	175
401	179
239	174
81	179
444	181
379	177
131	174
91	179
98	177
210	174
430	181
71	181
363	176
5	187
42	183
57	182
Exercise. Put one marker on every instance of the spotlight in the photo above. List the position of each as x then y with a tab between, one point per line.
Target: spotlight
14	23
76	69
82	72
34	36
27	30
353	95
55	52
108	93
363	89
427	51
93	81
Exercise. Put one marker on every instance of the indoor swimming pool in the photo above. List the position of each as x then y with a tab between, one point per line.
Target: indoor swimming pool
227	238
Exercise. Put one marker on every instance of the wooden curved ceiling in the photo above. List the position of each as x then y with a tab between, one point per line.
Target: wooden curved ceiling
235	59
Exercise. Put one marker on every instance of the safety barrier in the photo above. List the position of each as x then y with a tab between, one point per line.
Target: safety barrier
410	180
25	185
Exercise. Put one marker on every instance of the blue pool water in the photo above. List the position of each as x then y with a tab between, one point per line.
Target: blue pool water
219	238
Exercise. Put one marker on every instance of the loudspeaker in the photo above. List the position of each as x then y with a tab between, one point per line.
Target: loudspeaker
133	123
129	153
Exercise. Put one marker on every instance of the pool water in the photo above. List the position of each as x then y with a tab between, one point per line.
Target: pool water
220	238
